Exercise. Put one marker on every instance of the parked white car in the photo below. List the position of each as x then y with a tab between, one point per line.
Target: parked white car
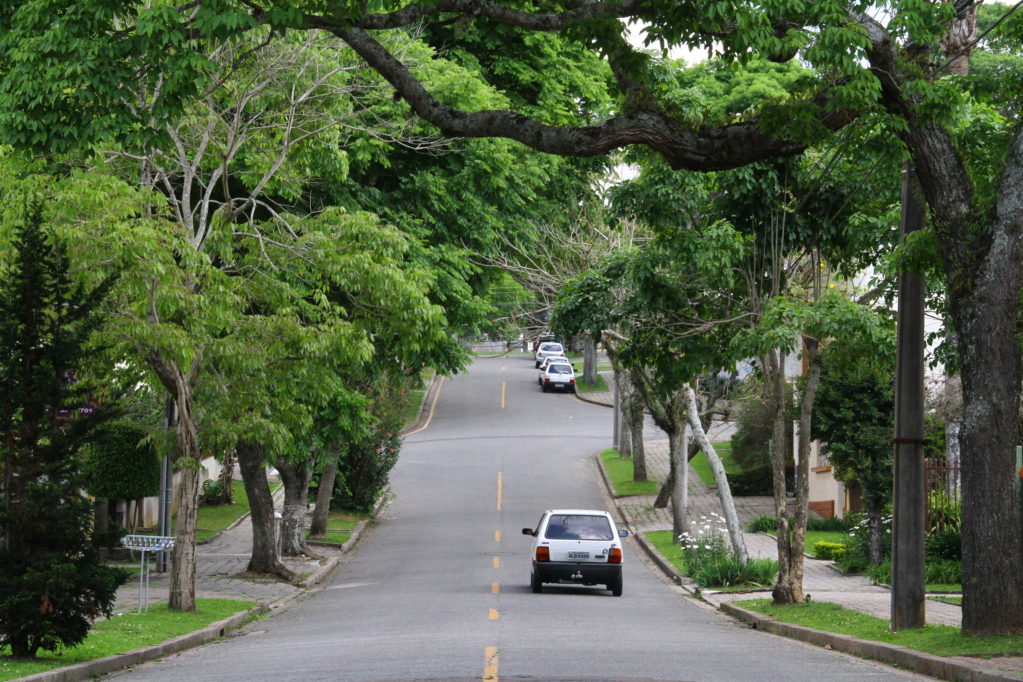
557	376
581	546
548	348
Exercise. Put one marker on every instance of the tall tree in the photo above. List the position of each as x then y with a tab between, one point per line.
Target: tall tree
53	581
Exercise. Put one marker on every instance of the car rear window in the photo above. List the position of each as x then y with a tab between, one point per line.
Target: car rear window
578	527
556	347
560	369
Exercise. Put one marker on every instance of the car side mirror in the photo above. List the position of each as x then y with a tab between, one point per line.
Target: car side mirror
527	531
623	533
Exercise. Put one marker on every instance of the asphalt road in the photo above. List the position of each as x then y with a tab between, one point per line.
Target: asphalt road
439	588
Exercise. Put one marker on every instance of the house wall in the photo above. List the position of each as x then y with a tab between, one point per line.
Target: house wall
151	505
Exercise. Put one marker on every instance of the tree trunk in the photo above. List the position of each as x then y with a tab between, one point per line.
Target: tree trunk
678	447
987	320
786	589
101	522
182	587
321	512
624	436
589	360
227	478
264	561
634	416
296	477
718	469
874	510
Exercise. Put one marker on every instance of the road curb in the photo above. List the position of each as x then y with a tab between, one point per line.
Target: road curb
344	547
910	659
115	662
424	408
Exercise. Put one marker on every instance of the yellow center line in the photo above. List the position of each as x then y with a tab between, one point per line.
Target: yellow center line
503	385
490	664
494	615
495	588
497	536
499	485
497	562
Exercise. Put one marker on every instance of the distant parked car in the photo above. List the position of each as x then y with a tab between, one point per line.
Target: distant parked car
557	376
581	546
548	348
544	338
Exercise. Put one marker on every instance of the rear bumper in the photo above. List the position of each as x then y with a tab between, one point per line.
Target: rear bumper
584	573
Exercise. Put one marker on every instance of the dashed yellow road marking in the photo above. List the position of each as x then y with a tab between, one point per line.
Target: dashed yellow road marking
494	615
504	385
490	664
499	485
495	588
497	536
497	562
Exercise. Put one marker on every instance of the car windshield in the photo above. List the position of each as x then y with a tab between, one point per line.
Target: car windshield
559	369
552	347
578	527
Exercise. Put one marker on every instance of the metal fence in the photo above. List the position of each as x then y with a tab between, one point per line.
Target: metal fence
944	501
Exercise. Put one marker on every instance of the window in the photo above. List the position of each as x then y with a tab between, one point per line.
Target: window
578	527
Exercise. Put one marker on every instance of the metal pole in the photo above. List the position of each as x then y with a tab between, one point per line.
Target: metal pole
166	486
616	441
909	496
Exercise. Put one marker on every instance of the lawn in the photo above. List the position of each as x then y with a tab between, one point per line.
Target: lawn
815	536
702	468
339	527
125	632
619	471
662	542
583	387
940	640
214	519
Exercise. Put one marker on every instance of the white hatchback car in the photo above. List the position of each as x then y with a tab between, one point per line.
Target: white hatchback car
556	376
581	546
548	348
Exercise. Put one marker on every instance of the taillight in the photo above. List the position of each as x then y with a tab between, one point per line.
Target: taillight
544	554
571	381
546	378
614	556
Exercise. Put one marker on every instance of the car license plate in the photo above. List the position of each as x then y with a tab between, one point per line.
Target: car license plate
578	555
559	385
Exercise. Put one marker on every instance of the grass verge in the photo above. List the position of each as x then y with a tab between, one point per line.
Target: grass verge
619	471
702	468
585	387
940	640
662	542
212	520
339	527
815	536
125	632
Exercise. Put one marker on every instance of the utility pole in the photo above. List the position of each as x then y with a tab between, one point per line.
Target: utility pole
909	499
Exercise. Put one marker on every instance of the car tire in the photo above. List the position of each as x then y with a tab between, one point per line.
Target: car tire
535	583
616	586
543	387
536	365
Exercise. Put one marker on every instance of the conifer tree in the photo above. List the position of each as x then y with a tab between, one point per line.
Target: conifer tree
53	583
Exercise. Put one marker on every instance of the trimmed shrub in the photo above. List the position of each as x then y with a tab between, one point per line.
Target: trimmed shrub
943	571
944	544
117	466
833	524
829	550
761	524
758	482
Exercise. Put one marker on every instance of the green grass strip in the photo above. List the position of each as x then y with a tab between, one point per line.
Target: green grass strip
338	525
213	519
662	542
940	640
123	633
584	387
619	470
702	467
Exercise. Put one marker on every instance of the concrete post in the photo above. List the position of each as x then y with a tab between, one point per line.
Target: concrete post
909	495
